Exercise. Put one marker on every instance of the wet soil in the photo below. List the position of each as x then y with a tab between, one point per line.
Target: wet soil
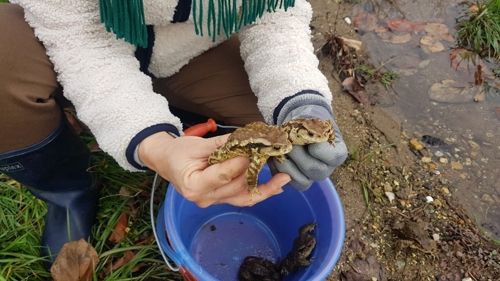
424	232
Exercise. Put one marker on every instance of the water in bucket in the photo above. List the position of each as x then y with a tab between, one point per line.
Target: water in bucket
211	243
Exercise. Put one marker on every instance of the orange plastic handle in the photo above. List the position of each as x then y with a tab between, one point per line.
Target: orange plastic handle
200	130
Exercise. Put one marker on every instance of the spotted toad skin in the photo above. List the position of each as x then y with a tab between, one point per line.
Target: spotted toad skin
258	141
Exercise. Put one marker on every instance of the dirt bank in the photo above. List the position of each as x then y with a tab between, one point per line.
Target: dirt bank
402	222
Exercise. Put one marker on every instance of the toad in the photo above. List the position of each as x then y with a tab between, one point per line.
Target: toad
302	248
258	141
304	131
258	269
413	235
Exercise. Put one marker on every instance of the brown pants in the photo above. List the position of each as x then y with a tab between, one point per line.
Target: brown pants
214	84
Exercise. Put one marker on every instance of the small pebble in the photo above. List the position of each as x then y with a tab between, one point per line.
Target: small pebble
415	144
390	196
456	165
437	203
443	160
429	199
435	237
467	279
426	159
438	154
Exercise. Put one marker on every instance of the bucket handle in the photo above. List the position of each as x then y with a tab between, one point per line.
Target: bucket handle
197	130
164	247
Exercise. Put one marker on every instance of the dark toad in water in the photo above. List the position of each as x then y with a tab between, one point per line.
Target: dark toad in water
258	269
302	249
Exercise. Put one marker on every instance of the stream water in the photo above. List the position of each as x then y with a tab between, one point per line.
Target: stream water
470	160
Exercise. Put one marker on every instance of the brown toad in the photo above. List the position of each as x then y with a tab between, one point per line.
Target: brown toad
304	131
258	269
303	245
413	235
258	141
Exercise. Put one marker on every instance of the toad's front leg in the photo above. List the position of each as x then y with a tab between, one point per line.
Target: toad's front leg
252	174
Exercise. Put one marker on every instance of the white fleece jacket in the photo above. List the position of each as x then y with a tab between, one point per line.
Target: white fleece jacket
101	75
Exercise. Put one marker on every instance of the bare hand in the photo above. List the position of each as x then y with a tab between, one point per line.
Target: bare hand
183	162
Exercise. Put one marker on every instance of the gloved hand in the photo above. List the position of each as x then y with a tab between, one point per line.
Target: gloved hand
314	162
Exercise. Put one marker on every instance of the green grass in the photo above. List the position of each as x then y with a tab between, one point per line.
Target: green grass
21	225
387	78
479	31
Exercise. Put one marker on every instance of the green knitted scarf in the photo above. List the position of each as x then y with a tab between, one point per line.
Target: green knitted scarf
126	18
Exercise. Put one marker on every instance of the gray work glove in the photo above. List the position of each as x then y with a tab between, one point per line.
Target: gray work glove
314	162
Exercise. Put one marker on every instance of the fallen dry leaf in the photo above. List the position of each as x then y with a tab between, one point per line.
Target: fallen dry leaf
125	192
365	269
475	9
431	45
381	29
405	25
365	22
127	257
480	96
457	56
77	126
355	44
353	87
394	38
94	147
76	262
438	31
449	91
120	228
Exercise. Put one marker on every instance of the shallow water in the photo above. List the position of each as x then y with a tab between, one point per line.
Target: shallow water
470	129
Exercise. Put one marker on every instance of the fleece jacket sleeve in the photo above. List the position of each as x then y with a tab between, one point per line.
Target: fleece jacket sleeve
281	64
100	75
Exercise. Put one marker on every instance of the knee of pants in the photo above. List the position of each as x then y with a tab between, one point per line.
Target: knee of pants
27	83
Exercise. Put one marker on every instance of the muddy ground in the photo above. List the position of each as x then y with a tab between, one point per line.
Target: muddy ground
408	237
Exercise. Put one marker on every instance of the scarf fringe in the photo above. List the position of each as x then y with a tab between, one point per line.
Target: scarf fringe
229	18
126	19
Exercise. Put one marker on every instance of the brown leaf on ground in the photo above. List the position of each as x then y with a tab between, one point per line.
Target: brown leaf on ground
394	38
365	22
75	124
94	147
405	25
128	256
76	262
353	87
365	270
355	44
438	31
461	57
431	45
120	228
451	91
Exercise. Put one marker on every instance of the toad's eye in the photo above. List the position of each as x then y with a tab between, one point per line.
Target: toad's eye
311	134
277	147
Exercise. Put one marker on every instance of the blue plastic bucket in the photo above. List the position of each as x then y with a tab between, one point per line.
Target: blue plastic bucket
211	243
